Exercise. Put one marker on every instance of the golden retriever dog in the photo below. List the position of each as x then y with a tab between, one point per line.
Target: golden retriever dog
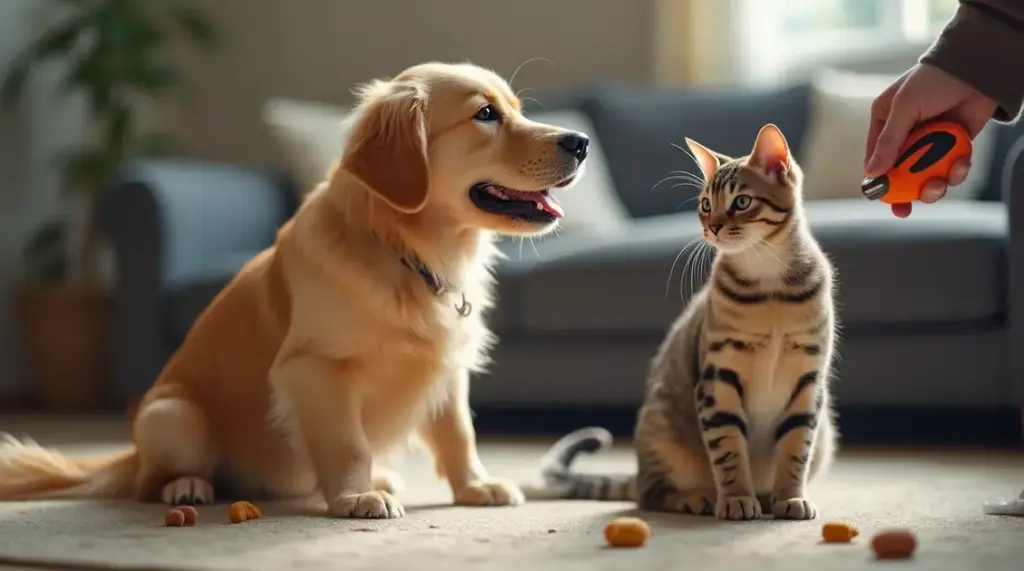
358	329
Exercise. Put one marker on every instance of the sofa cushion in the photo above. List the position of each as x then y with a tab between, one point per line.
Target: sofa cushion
943	264
638	127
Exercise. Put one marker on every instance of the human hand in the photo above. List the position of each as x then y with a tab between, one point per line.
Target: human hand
923	93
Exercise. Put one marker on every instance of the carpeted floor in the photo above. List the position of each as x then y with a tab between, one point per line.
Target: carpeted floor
936	494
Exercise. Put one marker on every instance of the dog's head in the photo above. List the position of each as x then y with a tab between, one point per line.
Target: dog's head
449	141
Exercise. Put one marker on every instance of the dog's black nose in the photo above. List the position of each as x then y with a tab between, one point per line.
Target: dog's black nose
576	144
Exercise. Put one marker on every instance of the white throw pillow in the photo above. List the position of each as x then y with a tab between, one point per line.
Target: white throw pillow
311	136
833	152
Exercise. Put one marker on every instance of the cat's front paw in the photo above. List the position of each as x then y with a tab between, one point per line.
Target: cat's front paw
794	508
738	508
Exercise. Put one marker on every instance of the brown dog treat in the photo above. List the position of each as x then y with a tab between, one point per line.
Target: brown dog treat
838	532
191	515
627	532
174	518
243	511
894	544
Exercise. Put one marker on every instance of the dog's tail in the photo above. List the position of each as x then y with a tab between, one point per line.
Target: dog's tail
559	482
28	471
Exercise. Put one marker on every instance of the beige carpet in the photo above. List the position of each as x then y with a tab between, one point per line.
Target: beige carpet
938	495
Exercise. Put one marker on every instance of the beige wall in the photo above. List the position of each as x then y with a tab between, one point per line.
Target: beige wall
317	49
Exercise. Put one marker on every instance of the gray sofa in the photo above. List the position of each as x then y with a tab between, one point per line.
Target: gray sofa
926	306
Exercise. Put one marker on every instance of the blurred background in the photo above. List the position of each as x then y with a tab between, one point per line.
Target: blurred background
148	149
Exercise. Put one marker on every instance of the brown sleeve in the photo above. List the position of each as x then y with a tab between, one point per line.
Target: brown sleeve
983	45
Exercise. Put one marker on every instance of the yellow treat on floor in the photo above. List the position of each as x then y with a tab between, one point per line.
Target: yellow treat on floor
243	511
627	532
838	532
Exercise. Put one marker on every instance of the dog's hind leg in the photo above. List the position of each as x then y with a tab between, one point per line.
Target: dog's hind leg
176	454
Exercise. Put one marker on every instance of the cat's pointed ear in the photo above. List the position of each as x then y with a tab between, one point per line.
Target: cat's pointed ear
707	160
771	151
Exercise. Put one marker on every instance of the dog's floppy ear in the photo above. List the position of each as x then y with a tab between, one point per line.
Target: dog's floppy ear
388	148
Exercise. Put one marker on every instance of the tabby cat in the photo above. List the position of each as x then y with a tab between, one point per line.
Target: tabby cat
737	417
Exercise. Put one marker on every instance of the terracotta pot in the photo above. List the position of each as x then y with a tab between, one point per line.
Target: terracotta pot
65	338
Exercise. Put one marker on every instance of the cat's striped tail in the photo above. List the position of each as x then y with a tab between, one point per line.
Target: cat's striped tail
558	482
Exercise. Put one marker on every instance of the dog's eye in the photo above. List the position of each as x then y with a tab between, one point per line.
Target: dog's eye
741	202
705	204
487	114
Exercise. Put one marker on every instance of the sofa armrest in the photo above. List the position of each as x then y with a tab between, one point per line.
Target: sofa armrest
1013	195
168	223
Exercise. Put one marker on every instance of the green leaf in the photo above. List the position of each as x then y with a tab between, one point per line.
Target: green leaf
14	81
196	26
155	76
46	252
87	170
119	128
60	40
48	236
53	269
90	74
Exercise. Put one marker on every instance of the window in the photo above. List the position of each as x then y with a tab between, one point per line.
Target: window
781	34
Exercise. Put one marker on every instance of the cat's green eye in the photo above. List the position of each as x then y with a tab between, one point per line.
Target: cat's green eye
741	202
705	205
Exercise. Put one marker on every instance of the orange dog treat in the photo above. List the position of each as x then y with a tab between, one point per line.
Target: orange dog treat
243	511
928	153
174	518
191	515
838	532
894	544
627	532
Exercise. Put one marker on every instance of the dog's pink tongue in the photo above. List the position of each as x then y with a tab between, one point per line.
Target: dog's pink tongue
546	202
550	206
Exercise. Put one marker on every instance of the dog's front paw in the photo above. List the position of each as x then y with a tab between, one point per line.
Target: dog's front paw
738	508
794	508
187	491
490	492
371	505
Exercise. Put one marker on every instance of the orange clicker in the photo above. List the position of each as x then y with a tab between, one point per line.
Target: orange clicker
928	153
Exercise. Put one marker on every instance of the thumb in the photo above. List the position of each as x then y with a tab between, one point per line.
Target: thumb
902	118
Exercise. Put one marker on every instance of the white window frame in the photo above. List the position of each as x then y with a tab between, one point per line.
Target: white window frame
766	55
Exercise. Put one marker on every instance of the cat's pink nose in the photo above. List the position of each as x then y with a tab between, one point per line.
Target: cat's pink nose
715	228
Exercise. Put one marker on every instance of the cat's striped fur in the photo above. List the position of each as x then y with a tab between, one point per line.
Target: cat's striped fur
737	416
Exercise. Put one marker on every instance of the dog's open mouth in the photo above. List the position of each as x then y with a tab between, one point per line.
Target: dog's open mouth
529	205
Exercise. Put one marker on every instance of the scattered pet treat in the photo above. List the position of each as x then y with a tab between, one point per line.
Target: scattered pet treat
174	518
627	532
894	544
838	532
191	515
243	511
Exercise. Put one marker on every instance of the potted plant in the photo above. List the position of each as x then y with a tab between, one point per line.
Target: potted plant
116	56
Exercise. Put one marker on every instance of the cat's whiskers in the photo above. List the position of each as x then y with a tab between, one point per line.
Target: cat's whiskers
766	247
705	261
689	153
754	250
685	178
694	268
691	268
671	270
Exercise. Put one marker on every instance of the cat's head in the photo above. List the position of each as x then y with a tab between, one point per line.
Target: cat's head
748	200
